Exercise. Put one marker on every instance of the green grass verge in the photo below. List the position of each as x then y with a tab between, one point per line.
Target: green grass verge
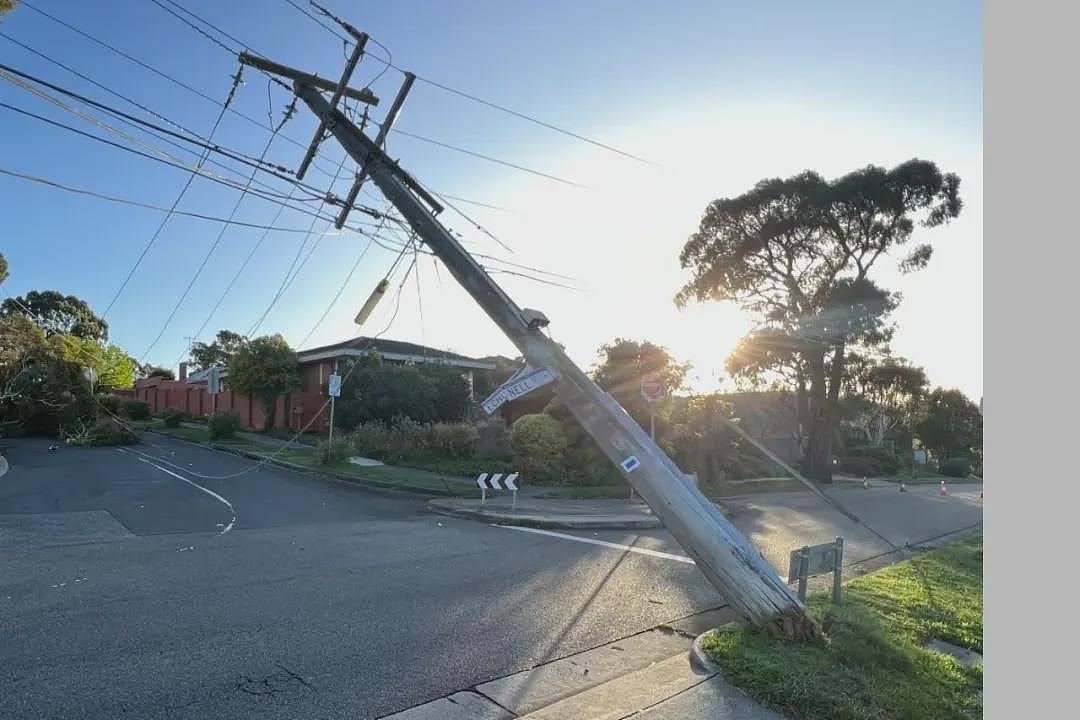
386	476
873	664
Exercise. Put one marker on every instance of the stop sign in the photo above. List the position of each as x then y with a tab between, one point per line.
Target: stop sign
652	389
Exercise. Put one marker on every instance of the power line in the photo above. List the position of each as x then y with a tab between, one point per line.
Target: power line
482	101
202	265
489	158
286	281
159	73
168	216
415	136
135	203
204	143
169	160
319	22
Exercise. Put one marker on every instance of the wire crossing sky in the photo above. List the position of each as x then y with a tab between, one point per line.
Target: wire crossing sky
587	137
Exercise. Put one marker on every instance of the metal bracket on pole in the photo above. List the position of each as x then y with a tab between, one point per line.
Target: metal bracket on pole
357	53
380	140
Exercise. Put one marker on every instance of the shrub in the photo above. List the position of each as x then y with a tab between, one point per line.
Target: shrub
331	452
866	460
958	467
172	418
104	431
492	439
540	447
858	466
223	424
112	404
136	409
452	441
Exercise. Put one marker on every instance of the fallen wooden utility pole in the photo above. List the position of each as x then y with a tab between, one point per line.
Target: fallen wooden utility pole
749	585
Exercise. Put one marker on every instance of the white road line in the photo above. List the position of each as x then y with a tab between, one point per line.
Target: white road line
209	492
603	543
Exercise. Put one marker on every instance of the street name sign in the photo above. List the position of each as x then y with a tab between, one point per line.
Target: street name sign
522	382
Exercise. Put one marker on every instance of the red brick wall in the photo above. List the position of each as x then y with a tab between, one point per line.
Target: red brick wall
293	412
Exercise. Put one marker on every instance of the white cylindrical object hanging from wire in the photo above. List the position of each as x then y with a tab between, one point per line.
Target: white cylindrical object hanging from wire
372	301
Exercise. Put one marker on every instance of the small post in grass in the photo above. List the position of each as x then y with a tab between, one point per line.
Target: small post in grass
838	569
804	570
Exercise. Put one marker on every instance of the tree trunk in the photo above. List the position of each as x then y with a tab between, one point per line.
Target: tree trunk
832	407
802	404
817	460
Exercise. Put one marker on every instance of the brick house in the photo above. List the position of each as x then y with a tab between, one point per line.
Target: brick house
306	407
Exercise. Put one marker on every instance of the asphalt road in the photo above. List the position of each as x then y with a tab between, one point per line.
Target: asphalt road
131	589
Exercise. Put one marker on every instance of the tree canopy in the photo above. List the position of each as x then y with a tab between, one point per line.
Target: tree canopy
58	314
112	367
952	425
622	365
379	391
3	269
265	368
885	394
797	253
152	371
216	353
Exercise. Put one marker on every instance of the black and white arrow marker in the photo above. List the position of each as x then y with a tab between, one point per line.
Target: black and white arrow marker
497	482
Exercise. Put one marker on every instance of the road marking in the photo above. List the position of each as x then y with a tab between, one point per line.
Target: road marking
603	543
209	492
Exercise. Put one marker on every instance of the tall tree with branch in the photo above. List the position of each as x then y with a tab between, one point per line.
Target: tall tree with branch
797	253
886	395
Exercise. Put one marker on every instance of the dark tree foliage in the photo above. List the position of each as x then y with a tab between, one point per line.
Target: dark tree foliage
265	368
216	353
58	314
951	426
797	253
380	391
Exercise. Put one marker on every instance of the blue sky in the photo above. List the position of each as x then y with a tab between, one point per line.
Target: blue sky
719	94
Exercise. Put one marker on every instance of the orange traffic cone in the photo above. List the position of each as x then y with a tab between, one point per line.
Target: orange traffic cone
943	490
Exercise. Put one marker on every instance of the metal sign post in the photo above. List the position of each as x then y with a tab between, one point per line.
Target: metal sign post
652	390
812	560
333	390
497	482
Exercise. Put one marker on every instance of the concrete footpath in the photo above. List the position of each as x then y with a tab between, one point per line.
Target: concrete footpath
649	676
558	513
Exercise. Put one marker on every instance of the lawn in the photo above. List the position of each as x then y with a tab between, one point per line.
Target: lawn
872	665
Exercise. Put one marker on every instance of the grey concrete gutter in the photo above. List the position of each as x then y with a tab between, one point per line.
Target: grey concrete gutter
546	520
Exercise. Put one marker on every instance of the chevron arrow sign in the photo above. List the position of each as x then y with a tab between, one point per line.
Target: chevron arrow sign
497	482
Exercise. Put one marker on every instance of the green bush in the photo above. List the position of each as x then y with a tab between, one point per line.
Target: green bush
958	467
332	452
136	409
104	431
858	467
172	418
452	441
223	424
867	460
540	448
111	404
492	440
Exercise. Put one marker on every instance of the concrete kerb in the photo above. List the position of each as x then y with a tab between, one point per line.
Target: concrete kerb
376	486
566	522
